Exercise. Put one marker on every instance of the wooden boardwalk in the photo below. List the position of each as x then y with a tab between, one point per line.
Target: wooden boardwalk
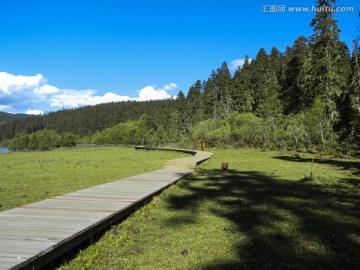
34	235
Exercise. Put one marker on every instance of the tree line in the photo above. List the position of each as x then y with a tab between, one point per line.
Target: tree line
80	121
7	117
305	97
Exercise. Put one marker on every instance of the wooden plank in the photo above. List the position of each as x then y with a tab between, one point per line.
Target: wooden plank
35	213
54	204
33	235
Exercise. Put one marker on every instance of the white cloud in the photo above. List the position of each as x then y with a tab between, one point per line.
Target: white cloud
24	93
5	108
35	112
17	91
46	90
170	86
150	93
20	93
16	83
108	97
234	64
72	98
76	98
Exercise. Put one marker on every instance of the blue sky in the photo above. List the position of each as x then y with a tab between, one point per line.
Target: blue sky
61	54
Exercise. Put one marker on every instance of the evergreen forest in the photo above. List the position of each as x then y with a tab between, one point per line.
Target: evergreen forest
304	98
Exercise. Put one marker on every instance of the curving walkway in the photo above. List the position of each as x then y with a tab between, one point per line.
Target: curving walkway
34	235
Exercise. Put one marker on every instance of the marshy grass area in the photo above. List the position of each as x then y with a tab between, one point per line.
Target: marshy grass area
260	214
27	177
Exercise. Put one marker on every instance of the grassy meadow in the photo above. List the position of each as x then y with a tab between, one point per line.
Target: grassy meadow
260	214
27	177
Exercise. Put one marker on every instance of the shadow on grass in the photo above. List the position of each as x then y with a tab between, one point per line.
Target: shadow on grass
352	166
287	225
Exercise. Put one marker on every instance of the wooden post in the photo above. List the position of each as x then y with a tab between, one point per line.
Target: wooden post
202	144
224	166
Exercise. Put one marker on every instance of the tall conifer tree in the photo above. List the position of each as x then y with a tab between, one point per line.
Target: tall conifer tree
327	79
295	77
223	84
243	96
266	87
195	102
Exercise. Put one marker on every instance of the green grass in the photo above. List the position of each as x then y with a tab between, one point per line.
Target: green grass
256	215
27	177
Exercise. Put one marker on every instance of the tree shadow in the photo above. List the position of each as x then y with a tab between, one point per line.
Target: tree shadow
352	166
355	182
287	225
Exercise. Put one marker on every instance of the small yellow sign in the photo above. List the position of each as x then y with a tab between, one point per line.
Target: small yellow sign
202	144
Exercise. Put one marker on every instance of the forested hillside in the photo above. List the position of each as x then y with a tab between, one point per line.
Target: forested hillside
305	97
6	117
81	121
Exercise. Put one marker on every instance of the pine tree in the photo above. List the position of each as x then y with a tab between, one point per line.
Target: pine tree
355	91
181	97
356	59
195	102
349	105
210	98
296	76
181	114
194	92
266	87
217	93
277	63
242	96
327	78
223	85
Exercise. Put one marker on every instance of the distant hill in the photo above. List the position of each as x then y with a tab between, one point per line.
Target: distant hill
81	121
6	117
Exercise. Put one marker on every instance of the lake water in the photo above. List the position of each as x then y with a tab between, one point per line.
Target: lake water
4	150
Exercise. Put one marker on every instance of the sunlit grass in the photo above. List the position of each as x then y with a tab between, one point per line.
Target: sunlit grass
27	177
257	215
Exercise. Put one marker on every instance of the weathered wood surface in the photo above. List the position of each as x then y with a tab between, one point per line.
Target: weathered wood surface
33	235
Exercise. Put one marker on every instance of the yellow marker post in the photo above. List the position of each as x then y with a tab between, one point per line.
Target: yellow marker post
202	144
